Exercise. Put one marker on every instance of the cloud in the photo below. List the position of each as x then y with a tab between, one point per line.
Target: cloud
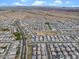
59	3
23	0
18	4
39	3
74	5
67	2
56	3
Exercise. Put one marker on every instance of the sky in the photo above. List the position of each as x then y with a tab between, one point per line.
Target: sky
59	3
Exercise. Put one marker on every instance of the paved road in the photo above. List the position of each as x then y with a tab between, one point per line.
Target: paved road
21	30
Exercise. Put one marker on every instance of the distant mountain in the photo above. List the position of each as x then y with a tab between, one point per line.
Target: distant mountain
70	9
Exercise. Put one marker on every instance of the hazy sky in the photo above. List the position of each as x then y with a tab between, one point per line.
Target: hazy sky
67	3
